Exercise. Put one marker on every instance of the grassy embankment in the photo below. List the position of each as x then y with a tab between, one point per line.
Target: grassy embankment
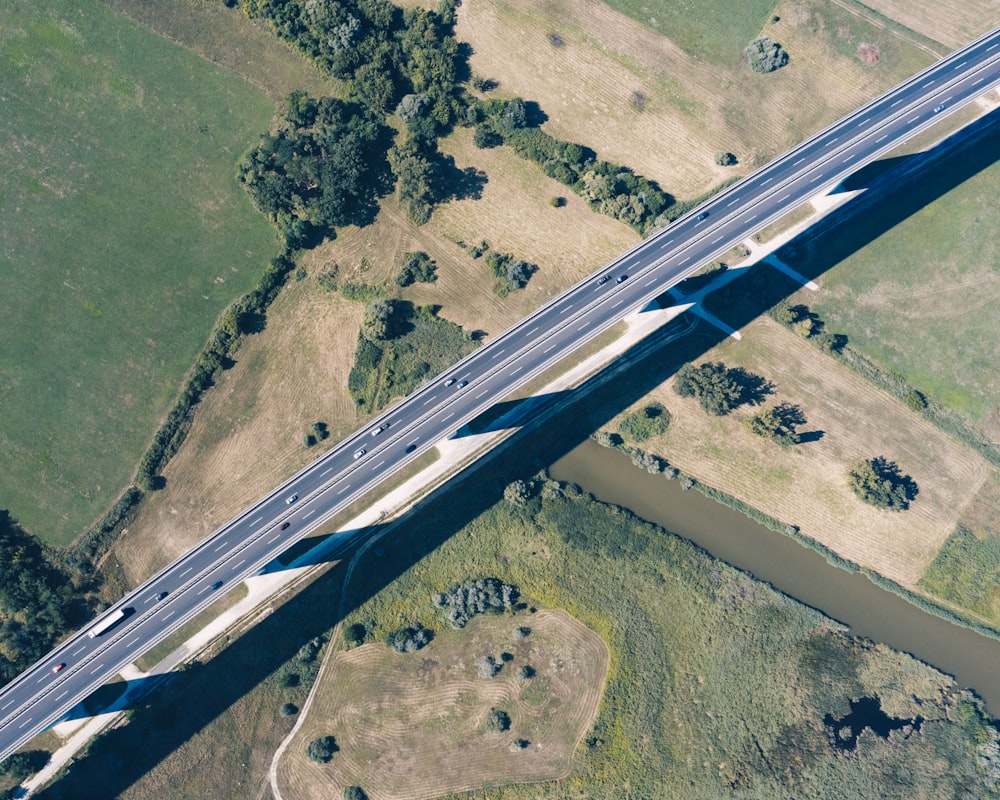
125	235
716	682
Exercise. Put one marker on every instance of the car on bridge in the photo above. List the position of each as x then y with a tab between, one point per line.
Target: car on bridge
58	667
290	500
359	453
284	525
603	280
622	278
702	215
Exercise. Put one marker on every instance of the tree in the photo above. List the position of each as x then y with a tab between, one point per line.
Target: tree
355	793
724	159
321	750
20	765
650	420
776	423
525	672
719	390
764	55
289	710
409	639
378	322
488	667
497	721
416	266
412	106
355	634
880	483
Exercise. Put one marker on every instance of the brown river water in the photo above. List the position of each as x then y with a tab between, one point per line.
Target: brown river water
788	566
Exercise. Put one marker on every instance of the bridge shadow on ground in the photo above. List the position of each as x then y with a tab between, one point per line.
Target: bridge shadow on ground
247	681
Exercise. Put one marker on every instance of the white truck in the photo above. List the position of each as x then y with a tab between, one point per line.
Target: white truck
107	623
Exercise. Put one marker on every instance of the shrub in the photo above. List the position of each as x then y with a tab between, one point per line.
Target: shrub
879	483
20	765
409	639
321	750
289	710
724	159
557	202
488	667
355	634
649	421
525	672
764	55
497	721
521	631
355	793
462	602
417	267
518	493
608	439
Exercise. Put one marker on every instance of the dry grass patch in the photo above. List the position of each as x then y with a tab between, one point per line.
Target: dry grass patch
953	23
412	726
247	432
806	485
692	107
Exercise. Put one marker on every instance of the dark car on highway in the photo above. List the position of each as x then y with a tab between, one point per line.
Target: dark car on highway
622	279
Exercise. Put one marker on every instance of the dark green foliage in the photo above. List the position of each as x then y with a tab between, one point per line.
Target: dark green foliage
509	273
417	267
915	400
497	721
321	750
719	389
319	174
355	793
608	188
724	159
879	483
525	672
383	320
416	178
765	55
649	421
289	710
608	439
37	600
409	639
20	765
777	423
426	346
355	633
463	601
519	492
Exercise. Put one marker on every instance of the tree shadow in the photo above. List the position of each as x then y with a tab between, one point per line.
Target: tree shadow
459	184
805	437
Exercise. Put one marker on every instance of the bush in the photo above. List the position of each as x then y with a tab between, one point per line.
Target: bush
289	710
724	159
497	721
409	639
777	424
488	667
417	267
879	483
649	421
20	765
355	634
355	793
518	493
321	750
462	602
521	631
765	55
525	672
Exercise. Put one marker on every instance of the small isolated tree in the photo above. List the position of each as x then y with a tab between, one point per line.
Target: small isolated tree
519	744
650	420
879	483
724	158
321	750
488	667
417	267
355	793
497	721
719	389
355	634
764	55
521	631
525	671
777	423
289	710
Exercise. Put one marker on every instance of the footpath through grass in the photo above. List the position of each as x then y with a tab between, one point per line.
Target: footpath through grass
124	235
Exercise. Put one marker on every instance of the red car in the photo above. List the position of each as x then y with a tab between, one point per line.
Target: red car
58	667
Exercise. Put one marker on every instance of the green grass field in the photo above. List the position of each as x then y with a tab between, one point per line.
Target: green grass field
913	281
716	29
124	235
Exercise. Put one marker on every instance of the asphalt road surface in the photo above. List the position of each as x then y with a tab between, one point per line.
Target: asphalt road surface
241	547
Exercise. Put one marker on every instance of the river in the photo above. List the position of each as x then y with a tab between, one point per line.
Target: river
788	566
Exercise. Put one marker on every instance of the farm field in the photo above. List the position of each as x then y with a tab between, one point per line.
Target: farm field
952	24
913	281
806	484
589	84
117	258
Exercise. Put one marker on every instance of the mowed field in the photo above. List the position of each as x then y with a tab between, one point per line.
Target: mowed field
394	715
806	485
921	293
123	235
952	24
693	105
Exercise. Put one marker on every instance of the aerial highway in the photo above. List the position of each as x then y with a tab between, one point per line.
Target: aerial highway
49	689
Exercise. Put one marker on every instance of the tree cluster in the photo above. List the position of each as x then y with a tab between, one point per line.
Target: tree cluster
777	423
519	493
488	667
20	765
510	274
383	320
879	483
608	188
409	639
719	389
37	602
764	55
463	601
417	267
321	750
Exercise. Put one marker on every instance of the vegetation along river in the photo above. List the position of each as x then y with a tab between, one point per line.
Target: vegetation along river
788	566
